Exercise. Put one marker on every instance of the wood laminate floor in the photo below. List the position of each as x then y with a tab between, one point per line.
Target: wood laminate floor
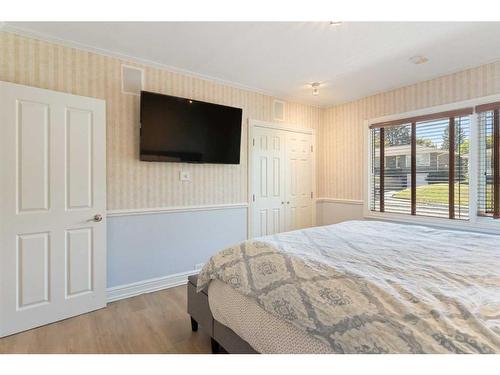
150	323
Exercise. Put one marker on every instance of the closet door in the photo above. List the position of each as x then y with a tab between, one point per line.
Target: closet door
268	176
298	181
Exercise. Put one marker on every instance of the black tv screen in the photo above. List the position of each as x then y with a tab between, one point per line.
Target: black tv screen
183	130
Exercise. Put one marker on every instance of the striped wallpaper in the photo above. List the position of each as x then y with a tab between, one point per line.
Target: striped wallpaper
340	140
133	184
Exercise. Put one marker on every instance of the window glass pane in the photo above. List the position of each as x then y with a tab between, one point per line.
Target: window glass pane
432	177
462	139
397	174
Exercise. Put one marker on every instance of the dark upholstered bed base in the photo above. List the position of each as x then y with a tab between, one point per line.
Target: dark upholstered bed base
223	338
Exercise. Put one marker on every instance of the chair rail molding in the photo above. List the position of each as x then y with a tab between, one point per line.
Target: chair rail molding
174	209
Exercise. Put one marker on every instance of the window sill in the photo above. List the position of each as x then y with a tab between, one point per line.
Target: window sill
480	224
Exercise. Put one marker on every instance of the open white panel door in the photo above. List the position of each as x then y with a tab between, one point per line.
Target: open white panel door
298	186
53	184
268	159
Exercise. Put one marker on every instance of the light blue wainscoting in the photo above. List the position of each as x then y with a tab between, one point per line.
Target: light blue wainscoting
153	245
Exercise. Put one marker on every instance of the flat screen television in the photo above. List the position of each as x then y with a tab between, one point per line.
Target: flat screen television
177	129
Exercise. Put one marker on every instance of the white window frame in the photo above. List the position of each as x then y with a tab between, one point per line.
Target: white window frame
475	222
408	162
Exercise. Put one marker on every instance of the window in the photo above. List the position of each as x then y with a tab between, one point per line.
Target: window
423	160
434	179
400	161
489	160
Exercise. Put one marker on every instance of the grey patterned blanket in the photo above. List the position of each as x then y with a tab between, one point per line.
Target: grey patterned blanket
374	287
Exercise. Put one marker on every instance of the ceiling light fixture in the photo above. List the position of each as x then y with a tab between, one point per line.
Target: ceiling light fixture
315	87
335	23
417	60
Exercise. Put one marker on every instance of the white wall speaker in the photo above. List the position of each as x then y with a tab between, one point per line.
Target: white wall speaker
279	110
132	80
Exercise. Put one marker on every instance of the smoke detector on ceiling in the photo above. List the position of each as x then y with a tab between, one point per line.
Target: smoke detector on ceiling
419	59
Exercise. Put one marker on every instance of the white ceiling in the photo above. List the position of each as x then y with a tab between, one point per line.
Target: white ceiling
352	60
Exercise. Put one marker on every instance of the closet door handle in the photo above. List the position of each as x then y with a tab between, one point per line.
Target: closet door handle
287	202
282	202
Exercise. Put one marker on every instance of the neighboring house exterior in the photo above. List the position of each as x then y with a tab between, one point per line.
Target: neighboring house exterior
432	166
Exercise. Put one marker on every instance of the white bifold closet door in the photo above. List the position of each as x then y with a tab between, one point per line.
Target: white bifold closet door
298	181
52	224
282	181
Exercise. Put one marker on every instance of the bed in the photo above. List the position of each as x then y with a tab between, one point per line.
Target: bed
358	287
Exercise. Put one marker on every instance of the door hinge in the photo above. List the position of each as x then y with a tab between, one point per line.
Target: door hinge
311	148
311	195
253	197
253	142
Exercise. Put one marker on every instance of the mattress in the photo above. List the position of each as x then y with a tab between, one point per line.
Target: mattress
264	332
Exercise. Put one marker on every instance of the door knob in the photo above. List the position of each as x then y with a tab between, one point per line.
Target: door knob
287	202
97	218
282	202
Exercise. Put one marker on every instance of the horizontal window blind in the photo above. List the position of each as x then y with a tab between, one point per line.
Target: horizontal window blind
376	201
421	167
489	162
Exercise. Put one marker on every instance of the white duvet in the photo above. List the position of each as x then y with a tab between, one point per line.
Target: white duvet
368	286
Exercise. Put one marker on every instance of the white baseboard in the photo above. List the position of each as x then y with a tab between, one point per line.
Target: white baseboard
147	286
